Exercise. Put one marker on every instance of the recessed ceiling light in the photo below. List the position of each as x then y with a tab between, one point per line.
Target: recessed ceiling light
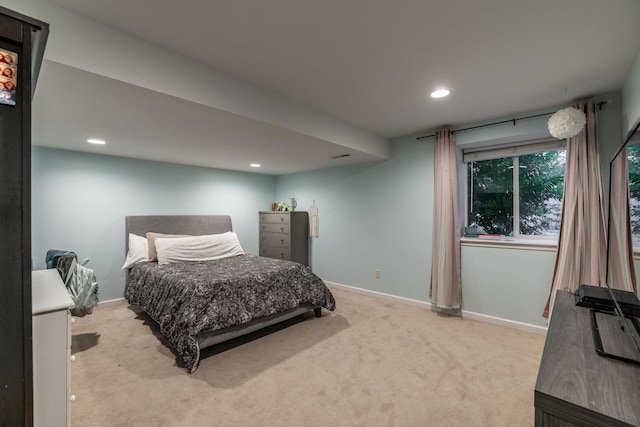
255	165
96	141
440	93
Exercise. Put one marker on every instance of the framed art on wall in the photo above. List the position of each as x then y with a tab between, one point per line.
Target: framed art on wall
8	76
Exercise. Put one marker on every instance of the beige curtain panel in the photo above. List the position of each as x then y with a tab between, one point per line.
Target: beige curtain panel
621	271
581	255
445	288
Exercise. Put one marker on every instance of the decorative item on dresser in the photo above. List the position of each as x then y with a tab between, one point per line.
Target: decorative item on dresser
285	235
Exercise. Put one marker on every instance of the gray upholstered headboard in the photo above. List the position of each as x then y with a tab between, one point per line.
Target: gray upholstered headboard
176	224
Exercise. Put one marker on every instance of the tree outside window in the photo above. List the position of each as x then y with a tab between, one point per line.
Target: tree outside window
541	186
490	193
517	196
633	156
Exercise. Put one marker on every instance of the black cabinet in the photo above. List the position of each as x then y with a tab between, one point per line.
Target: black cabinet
24	38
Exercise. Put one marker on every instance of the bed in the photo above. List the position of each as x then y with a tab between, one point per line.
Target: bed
200	304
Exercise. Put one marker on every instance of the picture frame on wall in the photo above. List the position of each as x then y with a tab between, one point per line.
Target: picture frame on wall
8	76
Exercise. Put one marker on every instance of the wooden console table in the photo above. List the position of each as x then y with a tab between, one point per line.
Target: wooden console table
576	386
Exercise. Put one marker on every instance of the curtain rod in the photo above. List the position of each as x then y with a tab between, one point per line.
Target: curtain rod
599	105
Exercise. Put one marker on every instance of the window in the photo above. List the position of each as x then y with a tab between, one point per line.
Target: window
516	190
633	157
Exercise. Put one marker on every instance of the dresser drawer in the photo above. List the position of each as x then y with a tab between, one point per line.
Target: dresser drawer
274	218
274	228
275	252
274	239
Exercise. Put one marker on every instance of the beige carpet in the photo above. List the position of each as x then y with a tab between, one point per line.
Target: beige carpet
372	362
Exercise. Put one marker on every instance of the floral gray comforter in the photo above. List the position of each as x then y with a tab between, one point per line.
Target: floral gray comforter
189	298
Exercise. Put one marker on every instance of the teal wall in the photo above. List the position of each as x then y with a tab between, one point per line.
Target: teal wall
375	216
507	283
379	216
79	202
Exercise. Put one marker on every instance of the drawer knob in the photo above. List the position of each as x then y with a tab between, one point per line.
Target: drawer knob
72	398
73	358
73	320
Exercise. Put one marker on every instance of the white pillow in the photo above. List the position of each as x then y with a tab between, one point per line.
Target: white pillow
151	242
198	248
138	250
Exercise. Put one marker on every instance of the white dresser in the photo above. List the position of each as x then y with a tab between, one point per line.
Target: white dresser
51	349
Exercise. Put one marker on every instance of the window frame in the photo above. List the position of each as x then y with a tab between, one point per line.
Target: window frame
513	150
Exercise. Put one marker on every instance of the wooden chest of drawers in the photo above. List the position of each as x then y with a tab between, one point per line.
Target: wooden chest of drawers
285	235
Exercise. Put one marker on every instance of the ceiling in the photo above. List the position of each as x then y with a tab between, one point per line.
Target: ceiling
371	63
145	124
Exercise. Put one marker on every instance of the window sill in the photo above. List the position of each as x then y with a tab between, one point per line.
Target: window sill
511	243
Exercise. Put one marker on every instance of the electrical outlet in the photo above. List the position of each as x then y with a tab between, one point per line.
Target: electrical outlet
378	274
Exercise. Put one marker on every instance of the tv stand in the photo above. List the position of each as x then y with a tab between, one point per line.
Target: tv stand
576	386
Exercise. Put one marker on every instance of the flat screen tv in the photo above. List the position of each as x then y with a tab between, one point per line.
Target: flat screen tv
623	305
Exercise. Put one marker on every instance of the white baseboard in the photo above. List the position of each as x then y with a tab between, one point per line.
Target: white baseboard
541	330
110	302
409	301
466	314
